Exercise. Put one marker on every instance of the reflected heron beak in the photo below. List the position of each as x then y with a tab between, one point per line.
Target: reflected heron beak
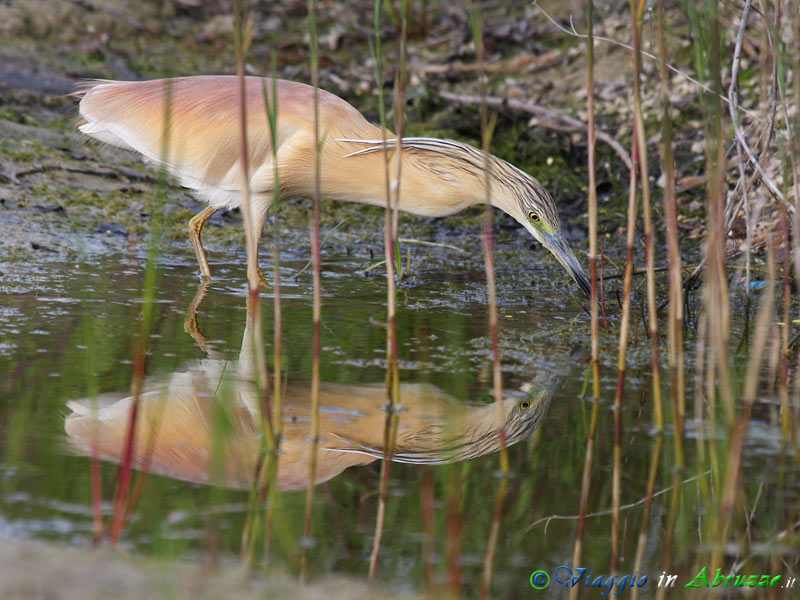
562	251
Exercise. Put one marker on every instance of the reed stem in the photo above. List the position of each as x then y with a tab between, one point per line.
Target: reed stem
244	168
638	119
675	327
487	129
731	488
317	301
622	353
121	502
586	479
391	251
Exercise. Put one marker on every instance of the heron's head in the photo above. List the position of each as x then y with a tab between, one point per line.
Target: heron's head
539	216
525	414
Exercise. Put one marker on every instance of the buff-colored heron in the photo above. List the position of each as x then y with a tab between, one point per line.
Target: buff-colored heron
190	124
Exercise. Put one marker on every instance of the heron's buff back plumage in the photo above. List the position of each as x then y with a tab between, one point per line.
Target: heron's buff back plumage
202	135
439	177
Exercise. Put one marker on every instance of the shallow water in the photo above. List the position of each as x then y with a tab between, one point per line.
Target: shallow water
67	330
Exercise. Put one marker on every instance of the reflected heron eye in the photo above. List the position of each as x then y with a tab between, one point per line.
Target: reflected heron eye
534	216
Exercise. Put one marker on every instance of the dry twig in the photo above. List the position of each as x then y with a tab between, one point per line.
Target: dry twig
565	121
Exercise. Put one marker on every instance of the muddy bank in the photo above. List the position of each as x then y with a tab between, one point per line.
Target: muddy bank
71	573
62	197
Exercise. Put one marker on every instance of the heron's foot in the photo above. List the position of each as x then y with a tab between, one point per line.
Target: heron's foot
205	270
262	281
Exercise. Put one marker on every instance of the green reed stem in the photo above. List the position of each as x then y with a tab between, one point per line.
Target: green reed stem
706	41
317	303
276	420
675	327
392	254
592	200
241	42
652	324
125	474
244	168
731	488
716	289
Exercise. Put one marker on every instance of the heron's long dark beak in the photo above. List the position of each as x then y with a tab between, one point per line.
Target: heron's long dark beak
562	251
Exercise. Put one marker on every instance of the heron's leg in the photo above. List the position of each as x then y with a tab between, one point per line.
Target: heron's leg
195	226
259	222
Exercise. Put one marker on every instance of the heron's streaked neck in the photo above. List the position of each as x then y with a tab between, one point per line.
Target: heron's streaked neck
436	177
479	175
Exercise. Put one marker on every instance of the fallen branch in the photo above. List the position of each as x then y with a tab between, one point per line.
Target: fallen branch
14	176
564	122
426	243
686	76
608	511
524	62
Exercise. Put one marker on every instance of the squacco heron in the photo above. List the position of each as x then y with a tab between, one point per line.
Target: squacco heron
190	124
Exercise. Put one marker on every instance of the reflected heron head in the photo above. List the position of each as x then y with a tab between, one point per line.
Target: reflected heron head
467	434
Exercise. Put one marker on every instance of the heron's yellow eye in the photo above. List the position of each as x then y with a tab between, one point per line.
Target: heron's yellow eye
524	405
534	217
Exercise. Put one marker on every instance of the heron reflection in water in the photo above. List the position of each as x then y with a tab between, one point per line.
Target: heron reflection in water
179	416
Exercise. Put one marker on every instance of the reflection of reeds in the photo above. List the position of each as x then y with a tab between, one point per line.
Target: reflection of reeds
97	489
731	489
455	528
428	513
317	300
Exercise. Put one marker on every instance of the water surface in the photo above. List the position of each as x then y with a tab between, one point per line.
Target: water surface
68	329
